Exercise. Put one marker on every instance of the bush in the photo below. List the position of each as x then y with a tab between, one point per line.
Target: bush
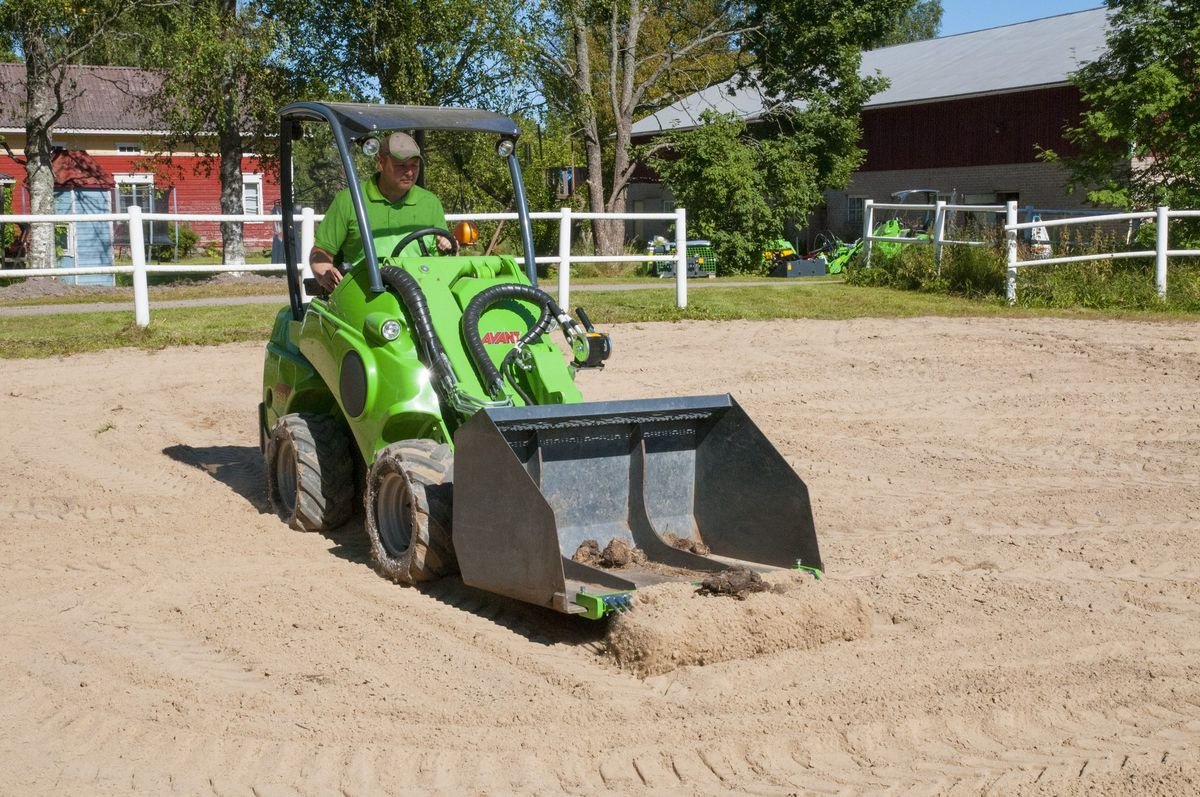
184	241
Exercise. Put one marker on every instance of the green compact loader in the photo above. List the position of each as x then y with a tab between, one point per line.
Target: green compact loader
431	386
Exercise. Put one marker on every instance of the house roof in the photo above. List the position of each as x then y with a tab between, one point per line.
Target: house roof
77	169
1027	55
100	99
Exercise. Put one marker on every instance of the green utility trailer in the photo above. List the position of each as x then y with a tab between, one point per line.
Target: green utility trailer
701	262
427	390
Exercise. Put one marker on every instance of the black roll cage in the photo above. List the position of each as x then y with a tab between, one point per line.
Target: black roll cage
352	121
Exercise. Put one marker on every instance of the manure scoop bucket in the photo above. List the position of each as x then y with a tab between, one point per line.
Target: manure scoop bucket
533	484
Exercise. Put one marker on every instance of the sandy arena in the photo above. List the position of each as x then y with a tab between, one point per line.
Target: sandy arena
1015	502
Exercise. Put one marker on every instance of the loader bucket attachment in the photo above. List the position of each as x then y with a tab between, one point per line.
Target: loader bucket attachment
532	484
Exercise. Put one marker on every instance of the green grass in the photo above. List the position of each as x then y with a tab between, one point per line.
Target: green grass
71	333
74	333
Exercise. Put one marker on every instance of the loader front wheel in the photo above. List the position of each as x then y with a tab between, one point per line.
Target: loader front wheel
310	472
408	503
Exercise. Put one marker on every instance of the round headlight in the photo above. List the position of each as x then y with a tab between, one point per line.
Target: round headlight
370	147
390	329
505	147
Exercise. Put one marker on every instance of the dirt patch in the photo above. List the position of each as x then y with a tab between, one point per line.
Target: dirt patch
618	553
673	625
685	544
737	582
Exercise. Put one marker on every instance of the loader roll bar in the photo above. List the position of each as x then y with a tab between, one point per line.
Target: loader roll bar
349	121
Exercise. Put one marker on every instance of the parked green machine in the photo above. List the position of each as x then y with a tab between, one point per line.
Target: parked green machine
431	387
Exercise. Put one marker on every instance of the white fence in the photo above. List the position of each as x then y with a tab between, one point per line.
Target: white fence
936	232
1161	217
308	219
937	236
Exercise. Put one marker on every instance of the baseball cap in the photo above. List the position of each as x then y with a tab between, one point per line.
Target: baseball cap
401	146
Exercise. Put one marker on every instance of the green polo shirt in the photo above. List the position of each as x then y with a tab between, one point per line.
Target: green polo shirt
390	221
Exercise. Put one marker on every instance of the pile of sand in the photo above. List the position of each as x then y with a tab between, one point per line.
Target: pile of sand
675	625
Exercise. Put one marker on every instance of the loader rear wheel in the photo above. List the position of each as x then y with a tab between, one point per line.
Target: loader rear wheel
408	503
310	472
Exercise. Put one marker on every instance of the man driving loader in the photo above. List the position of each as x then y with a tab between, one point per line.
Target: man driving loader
395	206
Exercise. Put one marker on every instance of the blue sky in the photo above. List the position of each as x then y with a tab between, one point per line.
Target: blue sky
961	16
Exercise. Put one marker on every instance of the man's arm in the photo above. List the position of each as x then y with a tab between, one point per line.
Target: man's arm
327	274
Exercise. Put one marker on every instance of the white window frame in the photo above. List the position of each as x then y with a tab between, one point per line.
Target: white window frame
856	209
129	147
255	180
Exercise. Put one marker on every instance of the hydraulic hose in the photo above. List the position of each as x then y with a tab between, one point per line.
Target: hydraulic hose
409	291
492	377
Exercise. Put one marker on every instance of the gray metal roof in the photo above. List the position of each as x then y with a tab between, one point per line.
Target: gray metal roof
1043	52
361	118
99	98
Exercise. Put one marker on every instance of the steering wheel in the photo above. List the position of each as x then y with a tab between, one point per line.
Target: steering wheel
419	236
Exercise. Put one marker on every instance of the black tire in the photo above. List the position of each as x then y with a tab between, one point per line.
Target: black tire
310	472
408	504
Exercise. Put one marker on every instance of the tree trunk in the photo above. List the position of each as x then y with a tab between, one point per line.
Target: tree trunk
230	144
42	86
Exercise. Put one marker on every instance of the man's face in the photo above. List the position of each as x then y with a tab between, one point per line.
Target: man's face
396	176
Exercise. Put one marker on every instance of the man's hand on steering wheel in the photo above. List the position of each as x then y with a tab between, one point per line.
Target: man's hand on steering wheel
446	241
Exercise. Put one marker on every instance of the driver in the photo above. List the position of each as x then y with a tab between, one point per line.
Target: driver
395	206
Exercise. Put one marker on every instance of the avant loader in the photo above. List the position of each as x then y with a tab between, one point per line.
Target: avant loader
430	388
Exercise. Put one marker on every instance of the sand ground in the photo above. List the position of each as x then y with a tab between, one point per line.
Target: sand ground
1017	502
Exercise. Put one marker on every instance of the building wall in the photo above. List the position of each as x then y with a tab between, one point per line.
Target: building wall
1040	185
196	188
975	131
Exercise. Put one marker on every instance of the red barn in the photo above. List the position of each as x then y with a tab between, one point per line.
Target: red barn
106	117
966	115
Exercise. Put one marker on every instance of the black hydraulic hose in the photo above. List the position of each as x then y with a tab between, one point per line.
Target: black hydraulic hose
493	380
409	291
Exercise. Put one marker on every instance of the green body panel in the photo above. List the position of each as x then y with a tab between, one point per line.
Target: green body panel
305	359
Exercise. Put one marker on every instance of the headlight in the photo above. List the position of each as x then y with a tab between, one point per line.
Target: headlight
370	147
505	147
390	329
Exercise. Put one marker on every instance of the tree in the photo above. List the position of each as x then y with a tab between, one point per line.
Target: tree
1139	140
606	62
221	89
740	185
418	52
740	189
923	21
51	36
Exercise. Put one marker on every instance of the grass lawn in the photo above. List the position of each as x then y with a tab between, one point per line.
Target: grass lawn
70	333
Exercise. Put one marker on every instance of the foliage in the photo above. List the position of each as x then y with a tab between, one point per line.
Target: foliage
52	35
603	63
184	240
424	52
220	92
1125	284
922	21
740	190
1141	99
811	50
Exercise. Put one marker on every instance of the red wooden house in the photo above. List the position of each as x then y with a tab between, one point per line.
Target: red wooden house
108	125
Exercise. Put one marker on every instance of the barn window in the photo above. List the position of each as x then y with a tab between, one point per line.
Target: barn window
855	206
129	147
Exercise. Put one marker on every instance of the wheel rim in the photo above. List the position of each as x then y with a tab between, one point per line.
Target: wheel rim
285	476
392	516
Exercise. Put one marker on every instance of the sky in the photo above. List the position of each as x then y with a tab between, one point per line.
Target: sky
961	16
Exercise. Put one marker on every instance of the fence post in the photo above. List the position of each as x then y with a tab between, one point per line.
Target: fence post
868	213
681	258
1010	235
137	251
307	236
564	258
939	232
1160	251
